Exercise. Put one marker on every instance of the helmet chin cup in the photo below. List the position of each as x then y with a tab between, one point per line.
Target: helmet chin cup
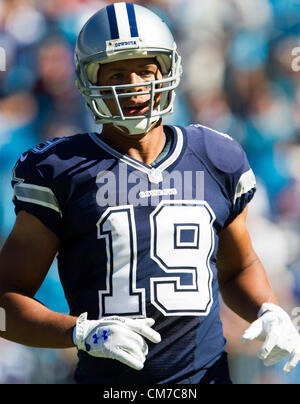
137	126
133	126
123	31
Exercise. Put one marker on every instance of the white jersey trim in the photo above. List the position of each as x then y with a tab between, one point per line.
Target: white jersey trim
246	183
38	195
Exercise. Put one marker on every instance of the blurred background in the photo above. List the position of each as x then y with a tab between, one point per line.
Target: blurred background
241	76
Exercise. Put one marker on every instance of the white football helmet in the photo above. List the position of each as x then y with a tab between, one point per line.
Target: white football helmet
126	31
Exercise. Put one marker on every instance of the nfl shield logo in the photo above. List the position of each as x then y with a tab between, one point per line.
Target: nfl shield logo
155	176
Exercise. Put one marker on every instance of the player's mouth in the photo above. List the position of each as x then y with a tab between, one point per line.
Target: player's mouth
136	109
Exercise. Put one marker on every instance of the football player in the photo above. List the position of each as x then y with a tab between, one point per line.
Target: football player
149	223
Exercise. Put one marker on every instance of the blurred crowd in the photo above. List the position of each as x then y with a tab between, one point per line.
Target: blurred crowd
241	76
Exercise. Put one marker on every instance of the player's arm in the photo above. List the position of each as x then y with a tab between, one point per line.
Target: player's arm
242	278
24	262
246	290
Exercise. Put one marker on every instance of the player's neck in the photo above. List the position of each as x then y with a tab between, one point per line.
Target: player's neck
145	148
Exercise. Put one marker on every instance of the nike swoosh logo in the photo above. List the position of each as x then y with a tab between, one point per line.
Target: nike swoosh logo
22	158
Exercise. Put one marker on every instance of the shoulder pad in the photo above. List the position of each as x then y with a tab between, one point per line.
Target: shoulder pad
223	151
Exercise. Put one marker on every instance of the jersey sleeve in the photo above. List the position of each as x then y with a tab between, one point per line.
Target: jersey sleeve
35	194
232	169
242	185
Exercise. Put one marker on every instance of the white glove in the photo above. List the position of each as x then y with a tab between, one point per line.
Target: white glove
116	338
275	328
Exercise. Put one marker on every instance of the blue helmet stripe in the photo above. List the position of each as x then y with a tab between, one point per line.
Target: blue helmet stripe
113	25
132	20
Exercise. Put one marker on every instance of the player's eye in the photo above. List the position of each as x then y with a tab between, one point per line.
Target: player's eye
116	76
147	73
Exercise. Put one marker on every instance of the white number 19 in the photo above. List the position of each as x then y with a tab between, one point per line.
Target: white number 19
181	243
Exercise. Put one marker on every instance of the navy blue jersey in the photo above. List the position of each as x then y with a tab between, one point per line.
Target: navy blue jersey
139	241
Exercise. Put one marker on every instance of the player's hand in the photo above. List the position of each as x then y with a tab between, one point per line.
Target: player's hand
275	328
119	338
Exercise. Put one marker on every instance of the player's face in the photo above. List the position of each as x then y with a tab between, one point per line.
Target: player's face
132	71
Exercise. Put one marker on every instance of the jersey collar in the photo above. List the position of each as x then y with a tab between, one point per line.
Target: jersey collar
155	174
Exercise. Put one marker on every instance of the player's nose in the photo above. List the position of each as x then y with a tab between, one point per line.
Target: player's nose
135	79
